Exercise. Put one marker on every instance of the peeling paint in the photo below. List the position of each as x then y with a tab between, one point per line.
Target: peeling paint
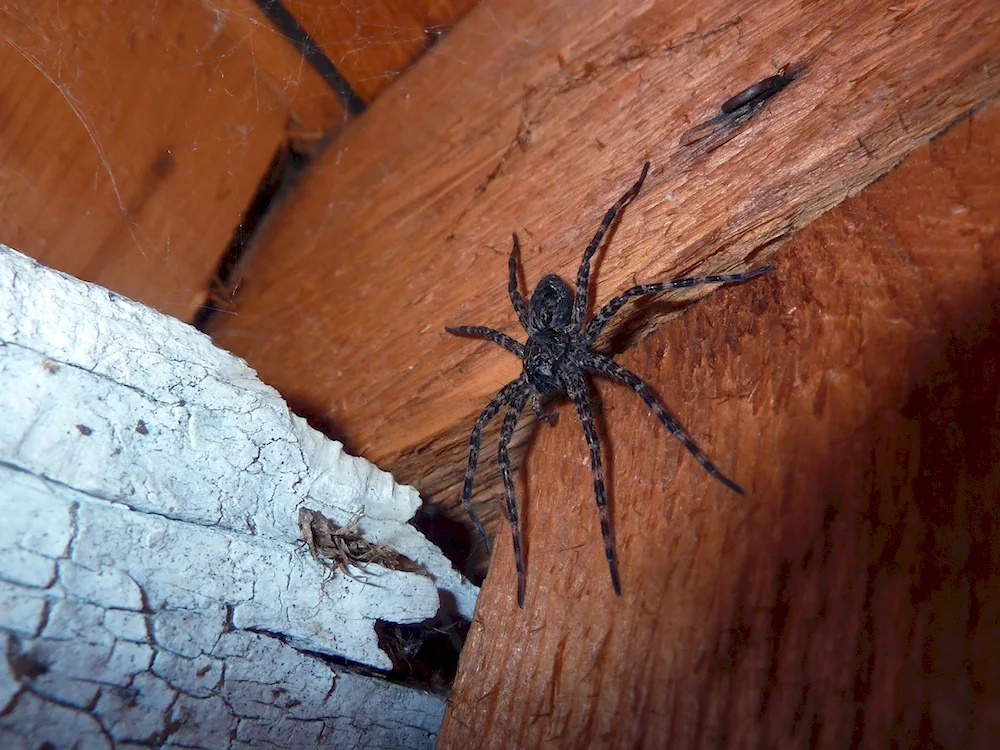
153	589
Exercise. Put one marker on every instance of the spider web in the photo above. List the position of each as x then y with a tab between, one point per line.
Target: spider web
108	182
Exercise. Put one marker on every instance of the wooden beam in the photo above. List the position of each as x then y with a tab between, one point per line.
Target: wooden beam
132	138
849	598
371	42
534	117
313	107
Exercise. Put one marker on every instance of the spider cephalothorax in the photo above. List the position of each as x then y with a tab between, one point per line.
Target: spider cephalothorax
557	358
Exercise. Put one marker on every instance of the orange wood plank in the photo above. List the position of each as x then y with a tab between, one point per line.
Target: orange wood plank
132	138
535	117
313	107
370	42
849	600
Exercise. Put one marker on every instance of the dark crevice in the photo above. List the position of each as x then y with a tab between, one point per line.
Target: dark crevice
433	35
285	167
452	538
289	27
284	170
779	619
337	662
425	655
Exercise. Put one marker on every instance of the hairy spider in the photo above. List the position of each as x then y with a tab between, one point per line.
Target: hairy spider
557	358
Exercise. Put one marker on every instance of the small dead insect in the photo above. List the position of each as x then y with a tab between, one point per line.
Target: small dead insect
341	546
736	111
222	290
557	358
759	92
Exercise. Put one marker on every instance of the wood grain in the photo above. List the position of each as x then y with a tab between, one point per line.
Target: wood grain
371	42
313	107
535	117
131	141
850	599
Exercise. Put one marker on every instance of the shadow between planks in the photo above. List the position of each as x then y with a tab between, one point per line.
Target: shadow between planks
852	598
371	42
534	117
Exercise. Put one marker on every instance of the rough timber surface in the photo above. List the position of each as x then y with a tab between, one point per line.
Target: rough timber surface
313	107
154	586
534	117
371	42
850	599
132	138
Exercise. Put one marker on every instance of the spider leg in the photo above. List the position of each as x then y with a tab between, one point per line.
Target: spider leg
515	296
596	325
540	414
510	391
582	295
576	389
502	339
607	367
506	432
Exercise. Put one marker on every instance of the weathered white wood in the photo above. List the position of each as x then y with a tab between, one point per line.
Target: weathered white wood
152	582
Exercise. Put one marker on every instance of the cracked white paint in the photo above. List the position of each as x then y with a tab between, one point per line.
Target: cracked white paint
152	587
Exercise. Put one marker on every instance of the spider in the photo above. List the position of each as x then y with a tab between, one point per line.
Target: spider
557	359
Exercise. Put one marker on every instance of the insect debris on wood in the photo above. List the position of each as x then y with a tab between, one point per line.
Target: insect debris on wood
338	547
736	111
557	358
